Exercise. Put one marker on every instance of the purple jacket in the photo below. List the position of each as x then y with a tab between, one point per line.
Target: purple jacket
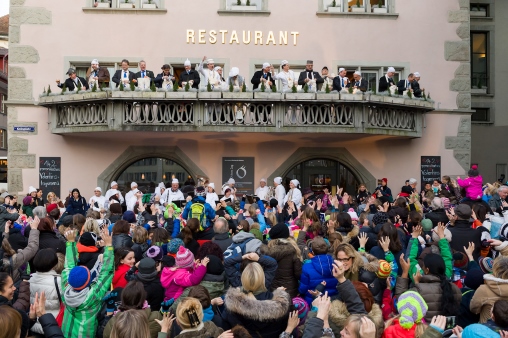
473	187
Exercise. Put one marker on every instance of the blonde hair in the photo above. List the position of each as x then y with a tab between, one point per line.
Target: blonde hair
131	324
420	327
48	198
500	267
91	225
255	225
272	218
274	243
253	278
350	251
252	210
139	235
188	304
10	321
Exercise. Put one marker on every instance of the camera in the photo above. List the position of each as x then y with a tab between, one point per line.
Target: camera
450	323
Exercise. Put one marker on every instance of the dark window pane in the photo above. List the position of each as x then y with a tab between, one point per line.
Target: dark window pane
481	115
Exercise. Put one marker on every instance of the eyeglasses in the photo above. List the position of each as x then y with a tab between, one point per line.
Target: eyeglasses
344	260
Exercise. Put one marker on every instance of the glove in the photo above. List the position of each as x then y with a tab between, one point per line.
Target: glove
110	300
165	305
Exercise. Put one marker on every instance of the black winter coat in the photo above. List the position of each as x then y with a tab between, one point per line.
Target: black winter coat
17	240
122	240
223	240
437	216
49	239
462	234
50	326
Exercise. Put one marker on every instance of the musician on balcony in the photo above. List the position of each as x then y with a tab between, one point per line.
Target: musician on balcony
124	75
98	74
189	76
165	79
73	82
359	83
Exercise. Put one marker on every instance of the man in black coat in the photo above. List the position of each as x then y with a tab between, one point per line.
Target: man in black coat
309	74
263	75
124	75
73	81
189	75
341	81
417	91
143	73
165	75
407	84
386	81
462	233
359	83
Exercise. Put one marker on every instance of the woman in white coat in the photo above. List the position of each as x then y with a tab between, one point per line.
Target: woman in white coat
211	195
294	194
47	280
287	77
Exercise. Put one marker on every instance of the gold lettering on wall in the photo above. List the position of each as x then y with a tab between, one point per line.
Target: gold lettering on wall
203	37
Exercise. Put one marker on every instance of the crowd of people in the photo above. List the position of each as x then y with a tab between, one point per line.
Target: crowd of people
213	76
423	263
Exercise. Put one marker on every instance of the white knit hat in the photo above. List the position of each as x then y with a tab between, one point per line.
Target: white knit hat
113	184
31	189
212	185
175	180
277	180
187	63
231	181
266	64
133	184
391	70
234	72
98	189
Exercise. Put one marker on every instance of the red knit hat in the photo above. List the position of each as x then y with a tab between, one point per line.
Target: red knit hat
50	207
384	179
184	258
384	269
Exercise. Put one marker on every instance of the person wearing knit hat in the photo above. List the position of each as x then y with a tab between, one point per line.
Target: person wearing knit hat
155	253
51	207
486	264
473	280
380	218
257	233
412	309
146	269
353	214
460	260
174	245
183	275
31	190
302	307
446	202
384	269
426	225
129	216
28	206
279	231
79	278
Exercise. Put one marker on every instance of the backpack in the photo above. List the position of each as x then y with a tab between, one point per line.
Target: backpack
197	210
237	248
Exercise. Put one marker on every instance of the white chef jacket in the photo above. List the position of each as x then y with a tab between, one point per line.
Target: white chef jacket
280	192
169	196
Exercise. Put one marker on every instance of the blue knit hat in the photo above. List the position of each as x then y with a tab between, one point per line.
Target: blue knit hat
79	277
174	244
478	331
129	216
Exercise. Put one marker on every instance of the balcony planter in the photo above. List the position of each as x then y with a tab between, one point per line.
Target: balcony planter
268	96
182	95
106	4
209	95
237	95
327	97
336	9
356	9
410	102
244	8
95	95
153	95
124	94
376	9
126	5
375	98
351	97
149	6
394	99
300	96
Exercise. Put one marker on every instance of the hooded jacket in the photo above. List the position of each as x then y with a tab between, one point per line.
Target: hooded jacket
175	280
213	283
45	282
209	211
265	315
472	186
314	271
289	267
231	265
487	294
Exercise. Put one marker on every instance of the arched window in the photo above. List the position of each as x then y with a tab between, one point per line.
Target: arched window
149	172
318	173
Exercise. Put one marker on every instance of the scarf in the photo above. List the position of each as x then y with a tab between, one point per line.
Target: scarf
83	248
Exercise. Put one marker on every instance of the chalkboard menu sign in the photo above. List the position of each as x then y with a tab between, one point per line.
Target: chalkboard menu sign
241	169
49	174
430	169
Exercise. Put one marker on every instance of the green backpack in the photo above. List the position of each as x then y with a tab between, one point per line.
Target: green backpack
197	210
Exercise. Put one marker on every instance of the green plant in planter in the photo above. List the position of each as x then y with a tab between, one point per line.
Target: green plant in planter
126	1
244	88
238	2
380	4
101	86
49	90
479	84
374	89
175	86
94	88
132	86
44	91
424	96
274	88
231	88
79	87
409	94
306	88
64	89
149	2
247	3
350	90
121	87
152	87
263	87
334	4
428	96
327	89
187	87
293	89
208	87
358	3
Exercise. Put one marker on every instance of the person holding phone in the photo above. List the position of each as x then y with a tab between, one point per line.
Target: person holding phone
383	190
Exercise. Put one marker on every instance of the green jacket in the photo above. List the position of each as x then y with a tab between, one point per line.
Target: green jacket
81	321
446	253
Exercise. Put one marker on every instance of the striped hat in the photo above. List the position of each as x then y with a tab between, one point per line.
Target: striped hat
486	264
303	308
384	269
184	258
412	309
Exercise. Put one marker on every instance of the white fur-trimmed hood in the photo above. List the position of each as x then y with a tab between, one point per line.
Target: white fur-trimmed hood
238	302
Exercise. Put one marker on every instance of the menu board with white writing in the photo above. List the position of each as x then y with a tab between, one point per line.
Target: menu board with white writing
430	168
49	174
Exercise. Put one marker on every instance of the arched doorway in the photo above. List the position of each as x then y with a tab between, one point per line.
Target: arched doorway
149	172
320	172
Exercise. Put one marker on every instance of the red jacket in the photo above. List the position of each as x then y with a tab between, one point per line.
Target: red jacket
119	280
396	331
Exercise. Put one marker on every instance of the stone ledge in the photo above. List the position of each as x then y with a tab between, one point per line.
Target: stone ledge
96	10
360	15
244	13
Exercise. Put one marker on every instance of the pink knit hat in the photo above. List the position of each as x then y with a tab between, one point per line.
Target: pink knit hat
446	202
184	258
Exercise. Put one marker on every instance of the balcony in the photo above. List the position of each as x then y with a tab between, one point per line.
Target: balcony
236	112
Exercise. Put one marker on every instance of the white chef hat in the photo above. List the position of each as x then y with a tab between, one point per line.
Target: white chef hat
217	68
113	184
266	64
341	70
175	180
416	74
95	62
234	72
212	185
31	189
187	63
262	180
284	62
277	180
391	70
295	182
231	181
412	181
133	184
162	185
98	189
358	73
209	61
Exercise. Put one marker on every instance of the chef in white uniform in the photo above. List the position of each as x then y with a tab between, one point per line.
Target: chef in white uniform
280	192
113	191
209	74
173	194
211	195
294	194
262	190
287	77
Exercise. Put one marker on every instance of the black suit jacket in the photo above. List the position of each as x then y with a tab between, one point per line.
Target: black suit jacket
417	92
193	75
385	84
118	76
401	86
363	85
256	79
158	80
70	85
149	73
303	76
337	85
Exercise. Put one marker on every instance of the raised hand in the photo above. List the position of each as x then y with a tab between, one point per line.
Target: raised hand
384	242
439	321
417	230
469	251
338	271
293	321
166	322
404	264
363	238
367	328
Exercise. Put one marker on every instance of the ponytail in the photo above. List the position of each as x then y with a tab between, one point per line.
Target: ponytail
436	266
